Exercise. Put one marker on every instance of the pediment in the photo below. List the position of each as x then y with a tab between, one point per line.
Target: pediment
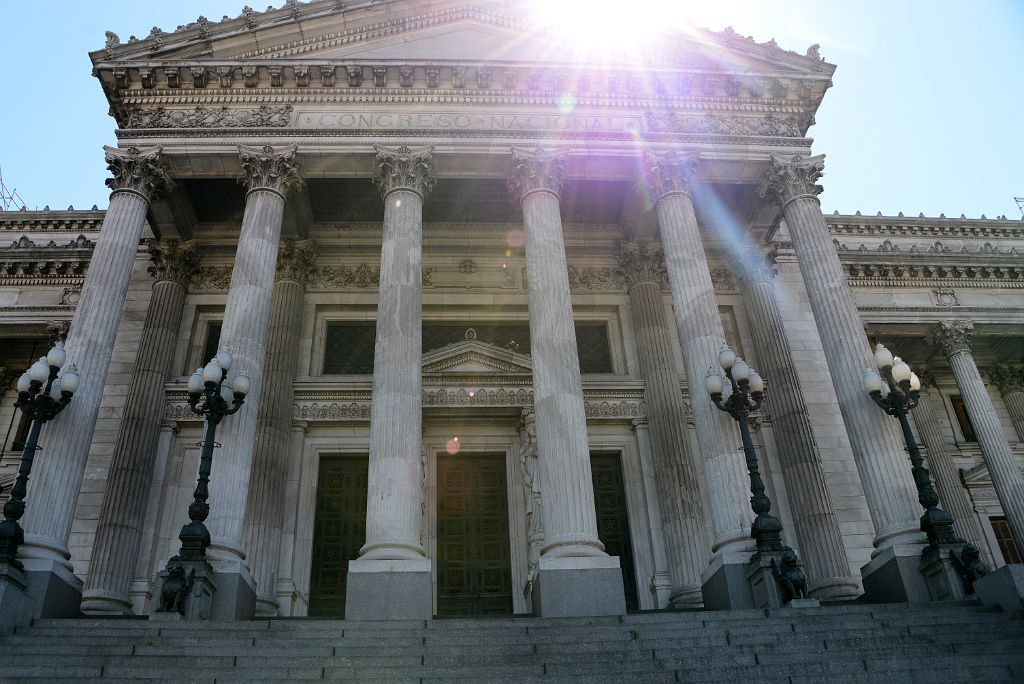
475	357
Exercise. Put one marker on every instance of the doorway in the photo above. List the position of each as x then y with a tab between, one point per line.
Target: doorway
339	531
613	519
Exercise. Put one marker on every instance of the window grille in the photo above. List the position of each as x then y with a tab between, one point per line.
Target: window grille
1004	538
348	349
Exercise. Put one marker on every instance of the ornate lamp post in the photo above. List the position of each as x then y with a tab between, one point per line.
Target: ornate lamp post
42	395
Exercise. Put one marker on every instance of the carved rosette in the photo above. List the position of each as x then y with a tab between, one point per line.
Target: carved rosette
270	168
1008	379
640	264
536	170
755	264
138	170
405	168
952	337
793	177
173	261
671	172
296	261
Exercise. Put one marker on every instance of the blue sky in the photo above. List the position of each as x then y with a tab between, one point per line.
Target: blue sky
924	115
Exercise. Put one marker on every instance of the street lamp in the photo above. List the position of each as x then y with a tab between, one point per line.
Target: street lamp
745	398
219	398
42	395
897	390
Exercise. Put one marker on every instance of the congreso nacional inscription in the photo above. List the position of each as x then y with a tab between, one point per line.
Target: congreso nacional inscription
466	121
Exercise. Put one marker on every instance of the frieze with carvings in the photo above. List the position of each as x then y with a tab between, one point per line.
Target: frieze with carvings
210	117
343	276
981	274
725	124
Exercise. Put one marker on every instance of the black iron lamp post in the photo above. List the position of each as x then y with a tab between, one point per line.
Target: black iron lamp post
42	395
745	398
897	389
219	398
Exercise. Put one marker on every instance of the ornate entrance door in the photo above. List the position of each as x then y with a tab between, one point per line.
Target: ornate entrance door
474	568
339	531
613	519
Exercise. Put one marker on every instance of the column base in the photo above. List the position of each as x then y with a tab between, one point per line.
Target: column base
188	595
836	589
1003	587
389	590
940	567
102	602
578	586
56	590
687	598
724	584
17	607
894	576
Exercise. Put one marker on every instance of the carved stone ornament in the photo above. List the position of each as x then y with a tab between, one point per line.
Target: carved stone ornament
270	168
211	117
296	261
952	337
792	177
755	264
534	170
136	169
641	264
405	168
362	276
1007	378
173	261
709	124
671	172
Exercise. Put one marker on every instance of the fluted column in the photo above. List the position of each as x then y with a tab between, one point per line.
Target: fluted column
123	512
875	437
265	507
954	339
1010	381
571	547
952	494
57	479
270	173
678	481
817	529
701	337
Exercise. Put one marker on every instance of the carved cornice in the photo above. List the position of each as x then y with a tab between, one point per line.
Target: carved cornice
1007	378
405	168
841	225
671	172
70	220
296	261
270	168
792	177
871	269
641	264
210	117
173	261
137	170
952	337
536	170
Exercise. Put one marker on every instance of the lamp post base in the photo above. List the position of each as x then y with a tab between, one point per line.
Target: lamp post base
185	591
894	576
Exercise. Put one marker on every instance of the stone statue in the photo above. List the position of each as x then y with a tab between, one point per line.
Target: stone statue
971	567
790	575
176	589
531	481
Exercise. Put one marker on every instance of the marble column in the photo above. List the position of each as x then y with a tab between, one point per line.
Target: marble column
953	496
270	174
575	576
123	512
264	514
701	337
874	437
57	479
679	473
1010	381
954	339
391	579
817	530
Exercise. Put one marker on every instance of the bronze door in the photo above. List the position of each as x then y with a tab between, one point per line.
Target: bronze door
613	519
339	531
474	567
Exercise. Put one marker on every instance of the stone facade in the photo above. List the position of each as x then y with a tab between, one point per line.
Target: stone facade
510	198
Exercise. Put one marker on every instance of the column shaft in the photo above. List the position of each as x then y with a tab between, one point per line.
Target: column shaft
119	530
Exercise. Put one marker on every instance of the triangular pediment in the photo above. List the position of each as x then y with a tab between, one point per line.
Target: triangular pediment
475	357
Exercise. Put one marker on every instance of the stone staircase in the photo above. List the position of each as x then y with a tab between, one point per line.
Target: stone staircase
839	644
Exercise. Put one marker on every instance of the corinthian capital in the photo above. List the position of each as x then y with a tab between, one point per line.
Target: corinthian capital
534	170
671	172
754	263
952	337
297	261
136	169
1007	378
173	261
405	168
792	177
270	168
640	264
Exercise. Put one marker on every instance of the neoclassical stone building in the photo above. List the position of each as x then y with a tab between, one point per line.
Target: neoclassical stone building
478	285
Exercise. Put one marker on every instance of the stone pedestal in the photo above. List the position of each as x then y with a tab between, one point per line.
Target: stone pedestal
940	568
389	590
197	602
894	576
724	583
1003	587
57	591
235	594
765	589
17	607
578	586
